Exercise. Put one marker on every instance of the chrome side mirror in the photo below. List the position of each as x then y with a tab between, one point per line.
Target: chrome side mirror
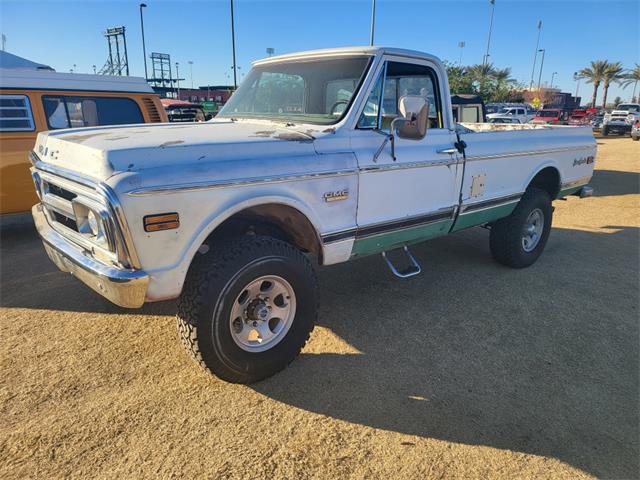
414	119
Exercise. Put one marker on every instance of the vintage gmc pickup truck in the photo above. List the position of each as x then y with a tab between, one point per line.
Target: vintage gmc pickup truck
332	154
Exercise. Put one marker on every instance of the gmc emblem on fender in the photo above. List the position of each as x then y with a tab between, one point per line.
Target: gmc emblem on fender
583	160
335	196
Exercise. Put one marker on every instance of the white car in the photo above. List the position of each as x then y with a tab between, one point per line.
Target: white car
514	113
305	160
621	119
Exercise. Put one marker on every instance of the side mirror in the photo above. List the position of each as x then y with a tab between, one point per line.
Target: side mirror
414	119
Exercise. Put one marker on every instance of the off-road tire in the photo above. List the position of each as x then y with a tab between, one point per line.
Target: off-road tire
605	131
635	139
505	240
214	281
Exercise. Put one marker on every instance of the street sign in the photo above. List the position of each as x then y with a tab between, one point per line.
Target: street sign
536	102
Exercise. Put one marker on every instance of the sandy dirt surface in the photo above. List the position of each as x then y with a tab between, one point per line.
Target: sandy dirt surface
470	370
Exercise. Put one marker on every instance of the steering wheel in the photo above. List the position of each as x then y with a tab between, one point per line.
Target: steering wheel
339	102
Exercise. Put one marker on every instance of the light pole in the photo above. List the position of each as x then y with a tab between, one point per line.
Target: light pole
535	57
552	77
486	54
576	77
541	65
144	47
178	79
94	69
373	21
233	47
461	46
190	62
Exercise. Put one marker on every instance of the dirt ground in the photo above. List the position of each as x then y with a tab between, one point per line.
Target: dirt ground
470	370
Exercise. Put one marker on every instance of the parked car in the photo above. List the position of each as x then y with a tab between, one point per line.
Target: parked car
467	108
333	154
621	119
504	120
596	122
33	101
635	131
550	117
181	111
519	113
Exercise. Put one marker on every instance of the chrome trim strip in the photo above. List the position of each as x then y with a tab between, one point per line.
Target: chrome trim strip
167	189
491	203
402	166
521	154
382	228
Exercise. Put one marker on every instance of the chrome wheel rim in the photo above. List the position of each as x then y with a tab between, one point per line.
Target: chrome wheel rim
532	231
262	313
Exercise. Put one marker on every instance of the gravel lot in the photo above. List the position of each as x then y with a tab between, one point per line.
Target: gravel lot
469	370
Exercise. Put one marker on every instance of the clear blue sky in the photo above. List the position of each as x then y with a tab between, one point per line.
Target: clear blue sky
63	33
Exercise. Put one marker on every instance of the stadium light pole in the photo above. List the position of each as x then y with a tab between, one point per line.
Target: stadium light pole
178	79
373	21
576	77
541	65
486	54
552	77
233	47
144	47
535	57
190	62
461	45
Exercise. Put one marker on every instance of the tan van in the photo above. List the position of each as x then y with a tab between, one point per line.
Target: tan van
34	100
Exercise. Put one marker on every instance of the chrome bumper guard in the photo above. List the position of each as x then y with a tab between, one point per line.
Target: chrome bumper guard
126	288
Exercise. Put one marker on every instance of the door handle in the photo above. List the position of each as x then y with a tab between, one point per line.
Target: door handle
448	151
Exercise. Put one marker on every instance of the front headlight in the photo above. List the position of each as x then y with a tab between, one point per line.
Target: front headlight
93	223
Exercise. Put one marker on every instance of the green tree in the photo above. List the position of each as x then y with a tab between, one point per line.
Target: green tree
594	74
614	72
632	77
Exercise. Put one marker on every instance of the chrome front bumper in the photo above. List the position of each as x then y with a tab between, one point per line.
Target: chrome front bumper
126	288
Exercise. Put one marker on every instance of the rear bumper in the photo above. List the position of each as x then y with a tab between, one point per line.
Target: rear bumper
126	288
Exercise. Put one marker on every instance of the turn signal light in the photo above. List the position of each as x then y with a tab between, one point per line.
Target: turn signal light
161	221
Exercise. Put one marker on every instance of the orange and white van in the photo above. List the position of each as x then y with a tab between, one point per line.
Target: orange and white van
33	100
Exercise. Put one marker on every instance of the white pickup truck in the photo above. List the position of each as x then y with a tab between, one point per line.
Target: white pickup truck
333	154
513	114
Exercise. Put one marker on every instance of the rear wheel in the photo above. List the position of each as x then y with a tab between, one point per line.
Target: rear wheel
635	138
247	308
519	239
605	131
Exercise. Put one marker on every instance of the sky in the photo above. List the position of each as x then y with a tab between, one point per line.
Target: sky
574	32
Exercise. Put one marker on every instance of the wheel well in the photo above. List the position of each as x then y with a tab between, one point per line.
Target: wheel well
275	220
547	179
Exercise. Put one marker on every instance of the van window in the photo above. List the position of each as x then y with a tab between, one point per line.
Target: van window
15	114
74	111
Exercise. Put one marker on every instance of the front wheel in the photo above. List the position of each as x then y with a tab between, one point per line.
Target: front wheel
605	131
519	239
247	307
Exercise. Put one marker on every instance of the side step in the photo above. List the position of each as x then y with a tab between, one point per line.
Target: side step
412	270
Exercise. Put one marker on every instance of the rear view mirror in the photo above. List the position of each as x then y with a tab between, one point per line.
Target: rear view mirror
414	119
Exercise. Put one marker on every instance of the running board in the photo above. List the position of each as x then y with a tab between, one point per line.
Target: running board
412	270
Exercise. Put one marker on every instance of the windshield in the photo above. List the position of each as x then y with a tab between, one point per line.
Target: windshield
314	91
548	113
629	107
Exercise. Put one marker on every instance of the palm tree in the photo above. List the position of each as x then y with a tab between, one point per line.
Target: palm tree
481	71
502	76
613	73
594	74
632	77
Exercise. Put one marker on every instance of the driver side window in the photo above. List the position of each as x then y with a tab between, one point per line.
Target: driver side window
401	79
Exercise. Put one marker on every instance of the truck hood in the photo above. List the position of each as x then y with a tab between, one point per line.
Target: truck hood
100	152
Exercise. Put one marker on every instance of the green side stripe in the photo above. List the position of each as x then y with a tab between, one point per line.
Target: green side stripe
569	191
398	238
471	219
